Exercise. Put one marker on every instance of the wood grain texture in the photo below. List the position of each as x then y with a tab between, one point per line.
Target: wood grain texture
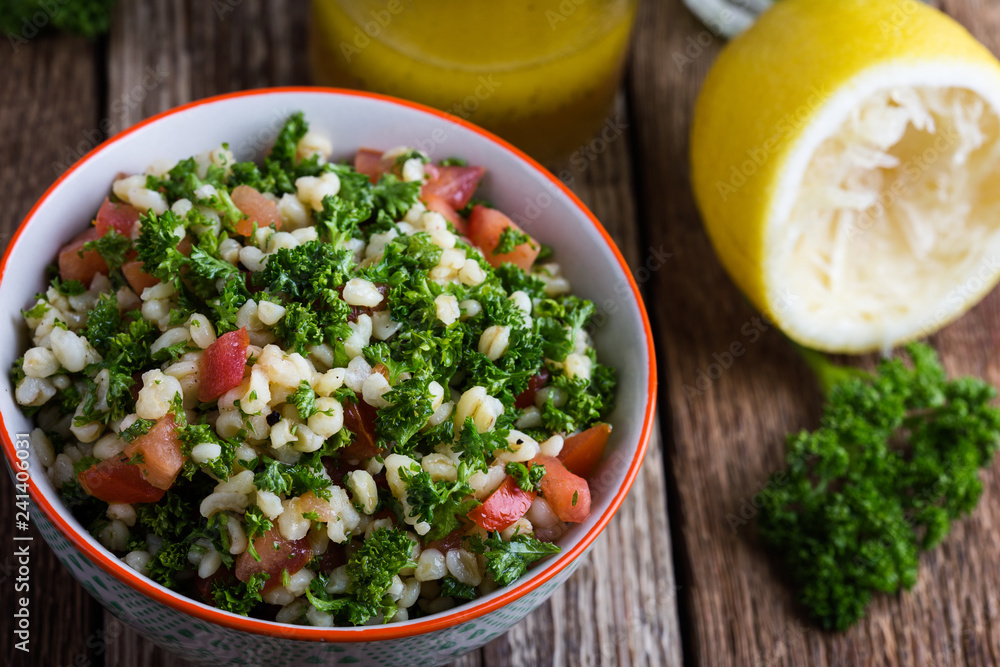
49	92
620	606
729	414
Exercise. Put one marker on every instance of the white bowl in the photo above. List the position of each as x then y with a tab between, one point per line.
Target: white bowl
520	187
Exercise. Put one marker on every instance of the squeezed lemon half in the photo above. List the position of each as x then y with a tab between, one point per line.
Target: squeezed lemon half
846	161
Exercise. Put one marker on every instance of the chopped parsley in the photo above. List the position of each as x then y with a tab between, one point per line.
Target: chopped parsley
510	238
430	361
112	247
507	561
527	477
304	400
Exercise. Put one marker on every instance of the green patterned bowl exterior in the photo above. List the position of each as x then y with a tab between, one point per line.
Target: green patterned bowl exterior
205	642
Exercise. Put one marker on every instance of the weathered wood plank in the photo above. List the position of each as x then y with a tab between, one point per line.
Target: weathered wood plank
729	415
50	118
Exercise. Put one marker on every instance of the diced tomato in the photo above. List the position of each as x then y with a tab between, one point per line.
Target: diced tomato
115	480
161	453
276	554
138	279
310	502
449	542
359	418
222	364
185	246
527	397
78	264
206	586
368	162
581	452
485	227
117	216
334	556
259	210
567	494
454	184
436	203
503	507
336	467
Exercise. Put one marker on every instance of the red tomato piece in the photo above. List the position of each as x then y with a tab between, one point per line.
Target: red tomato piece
115	480
334	556
359	418
503	507
206	586
78	264
259	210
138	279
185	246
449	542
161	453
368	162
527	397
436	203
567	494
276	554
117	216
222	364
454	184
310	502
485	227
581	452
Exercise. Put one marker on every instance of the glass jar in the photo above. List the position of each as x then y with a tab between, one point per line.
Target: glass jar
540	73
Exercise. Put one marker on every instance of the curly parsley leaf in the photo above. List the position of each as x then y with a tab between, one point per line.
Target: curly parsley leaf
509	239
394	196
507	561
112	247
894	462
294	480
103	322
527	477
237	596
453	588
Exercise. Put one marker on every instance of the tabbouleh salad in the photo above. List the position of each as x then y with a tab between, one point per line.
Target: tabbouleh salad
315	392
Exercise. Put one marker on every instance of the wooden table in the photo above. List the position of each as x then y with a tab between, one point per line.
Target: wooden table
670	577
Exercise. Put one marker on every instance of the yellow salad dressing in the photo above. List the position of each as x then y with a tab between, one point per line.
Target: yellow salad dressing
540	73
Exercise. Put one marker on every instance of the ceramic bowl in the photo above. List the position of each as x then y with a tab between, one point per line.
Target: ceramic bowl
249	121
